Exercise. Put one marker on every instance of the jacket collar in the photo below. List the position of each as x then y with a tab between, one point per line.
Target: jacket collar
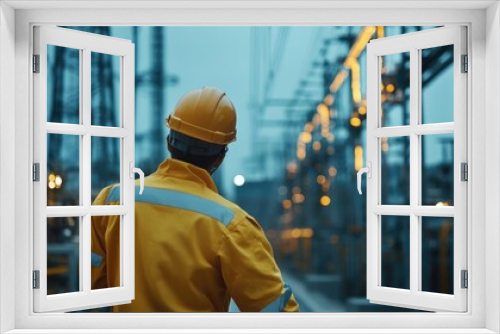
182	170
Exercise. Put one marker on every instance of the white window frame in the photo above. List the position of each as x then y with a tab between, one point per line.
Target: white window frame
85	43
413	43
483	21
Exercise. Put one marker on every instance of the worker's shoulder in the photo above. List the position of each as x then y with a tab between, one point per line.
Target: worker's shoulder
212	203
102	197
240	215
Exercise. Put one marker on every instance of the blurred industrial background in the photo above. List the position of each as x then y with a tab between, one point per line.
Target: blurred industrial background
300	93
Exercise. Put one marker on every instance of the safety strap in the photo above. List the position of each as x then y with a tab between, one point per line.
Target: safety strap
280	303
180	200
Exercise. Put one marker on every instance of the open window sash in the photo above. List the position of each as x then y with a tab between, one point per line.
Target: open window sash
414	297
85	44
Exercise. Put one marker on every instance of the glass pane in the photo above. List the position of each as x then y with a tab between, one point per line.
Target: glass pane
63	254
437	84
105	240
395	171
437	169
395	89
105	89
63	169
105	163
395	251
63	85
437	254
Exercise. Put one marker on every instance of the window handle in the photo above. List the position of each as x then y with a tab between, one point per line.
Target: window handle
138	171
367	170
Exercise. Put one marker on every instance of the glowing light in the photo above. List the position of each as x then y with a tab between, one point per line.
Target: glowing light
338	80
321	179
308	127
296	190
324	115
305	137
239	180
390	88
355	121
301	154
325	200
323	110
328	100
355	82
315	120
55	181
297	233
298	198
380	32
385	145
325	186
332	171
316	146
58	181
362	110
358	157
442	204
287	204
330	137
359	45
291	167
307	232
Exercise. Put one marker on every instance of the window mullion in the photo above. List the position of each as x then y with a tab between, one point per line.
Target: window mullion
414	170
86	166
81	181
127	155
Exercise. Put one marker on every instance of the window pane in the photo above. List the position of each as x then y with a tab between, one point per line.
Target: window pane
437	169
395	89
437	254
395	171
63	85
63	169
105	269
437	84
395	251
105	89
63	254
105	163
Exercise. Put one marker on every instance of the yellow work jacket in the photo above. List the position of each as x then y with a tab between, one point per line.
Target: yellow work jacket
194	250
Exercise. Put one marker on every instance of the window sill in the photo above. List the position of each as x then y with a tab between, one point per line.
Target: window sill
253	331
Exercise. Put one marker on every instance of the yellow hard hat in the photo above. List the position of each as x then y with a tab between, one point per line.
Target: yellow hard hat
206	114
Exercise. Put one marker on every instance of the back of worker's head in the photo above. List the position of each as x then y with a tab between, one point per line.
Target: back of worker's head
201	126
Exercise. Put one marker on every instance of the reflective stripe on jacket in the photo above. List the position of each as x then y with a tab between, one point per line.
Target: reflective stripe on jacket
194	250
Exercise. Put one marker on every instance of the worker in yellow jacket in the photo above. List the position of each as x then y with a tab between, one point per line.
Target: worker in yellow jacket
194	250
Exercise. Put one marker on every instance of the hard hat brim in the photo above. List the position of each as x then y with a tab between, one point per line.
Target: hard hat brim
214	137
